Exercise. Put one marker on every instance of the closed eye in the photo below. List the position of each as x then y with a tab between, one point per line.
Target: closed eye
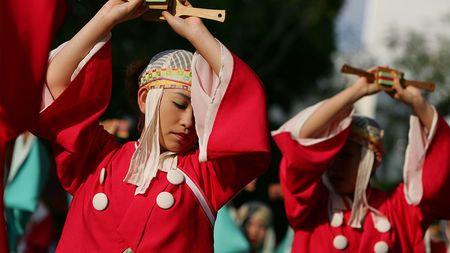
181	106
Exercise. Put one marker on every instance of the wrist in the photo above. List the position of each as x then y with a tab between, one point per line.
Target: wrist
419	104
357	92
198	35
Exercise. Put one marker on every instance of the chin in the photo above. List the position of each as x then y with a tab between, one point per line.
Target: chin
178	148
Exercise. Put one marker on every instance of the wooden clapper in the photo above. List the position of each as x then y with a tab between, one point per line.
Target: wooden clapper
385	78
177	9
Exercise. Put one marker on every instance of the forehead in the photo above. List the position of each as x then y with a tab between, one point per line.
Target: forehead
178	92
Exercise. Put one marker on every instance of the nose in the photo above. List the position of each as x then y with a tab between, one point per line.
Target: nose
187	119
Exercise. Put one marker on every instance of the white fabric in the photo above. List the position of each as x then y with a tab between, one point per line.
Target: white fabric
47	98
269	241
21	150
201	199
207	91
418	142
145	160
360	204
336	204
295	124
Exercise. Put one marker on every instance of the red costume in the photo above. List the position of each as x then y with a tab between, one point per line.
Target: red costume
409	208
177	211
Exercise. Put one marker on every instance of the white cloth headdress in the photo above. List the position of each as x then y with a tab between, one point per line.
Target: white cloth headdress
168	69
368	134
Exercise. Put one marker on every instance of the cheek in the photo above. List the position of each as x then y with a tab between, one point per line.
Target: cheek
167	116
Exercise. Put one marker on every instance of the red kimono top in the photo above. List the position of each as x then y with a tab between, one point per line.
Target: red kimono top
177	212
409	208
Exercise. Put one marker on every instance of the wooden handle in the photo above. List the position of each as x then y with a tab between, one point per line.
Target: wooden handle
359	72
217	15
421	85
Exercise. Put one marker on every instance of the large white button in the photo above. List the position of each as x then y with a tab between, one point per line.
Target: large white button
340	242
337	220
165	200
381	247
175	177
383	226
100	201
102	176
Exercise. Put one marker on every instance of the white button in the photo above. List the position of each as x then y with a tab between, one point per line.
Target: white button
102	176
100	201
381	247
175	177
383	226
337	220
165	200
340	242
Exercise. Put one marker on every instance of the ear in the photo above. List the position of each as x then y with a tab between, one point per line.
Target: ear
141	98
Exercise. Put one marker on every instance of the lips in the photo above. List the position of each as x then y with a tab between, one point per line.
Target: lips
181	136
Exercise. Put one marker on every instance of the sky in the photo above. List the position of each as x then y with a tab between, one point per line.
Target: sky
349	25
365	23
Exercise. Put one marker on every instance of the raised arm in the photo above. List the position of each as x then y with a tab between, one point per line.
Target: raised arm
193	29
64	63
336	105
412	97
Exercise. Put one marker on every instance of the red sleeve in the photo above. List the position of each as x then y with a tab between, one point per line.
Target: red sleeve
436	174
238	146
26	31
240	125
301	169
71	121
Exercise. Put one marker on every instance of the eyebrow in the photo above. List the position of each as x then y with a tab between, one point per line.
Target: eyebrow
184	95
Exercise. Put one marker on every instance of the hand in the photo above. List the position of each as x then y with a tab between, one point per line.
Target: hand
118	11
190	28
409	95
413	97
364	87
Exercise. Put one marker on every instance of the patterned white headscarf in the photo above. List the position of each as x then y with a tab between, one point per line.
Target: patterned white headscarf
167	70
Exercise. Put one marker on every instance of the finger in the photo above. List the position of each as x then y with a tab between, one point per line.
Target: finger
168	16
173	21
397	86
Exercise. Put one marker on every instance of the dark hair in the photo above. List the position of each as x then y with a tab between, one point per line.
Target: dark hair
132	73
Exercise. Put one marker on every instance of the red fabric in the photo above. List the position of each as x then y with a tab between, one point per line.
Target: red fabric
40	236
26	31
306	198
438	247
83	148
